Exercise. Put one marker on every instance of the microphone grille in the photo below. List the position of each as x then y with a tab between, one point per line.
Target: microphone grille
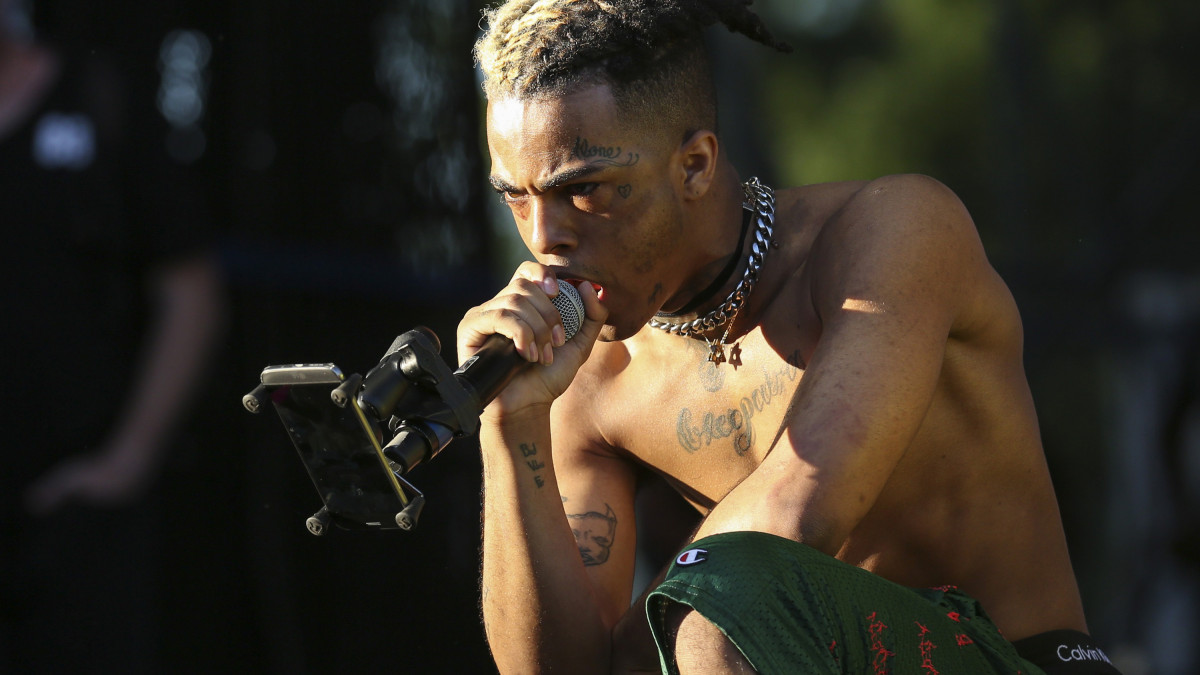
570	307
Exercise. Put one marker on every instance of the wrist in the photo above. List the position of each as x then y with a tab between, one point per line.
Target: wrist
516	448
503	415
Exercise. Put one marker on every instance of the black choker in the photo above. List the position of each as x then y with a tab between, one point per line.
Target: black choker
762	199
707	294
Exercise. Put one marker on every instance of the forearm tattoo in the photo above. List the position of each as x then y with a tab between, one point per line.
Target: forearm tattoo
594	534
529	452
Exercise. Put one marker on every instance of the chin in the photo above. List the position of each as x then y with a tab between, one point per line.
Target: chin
609	334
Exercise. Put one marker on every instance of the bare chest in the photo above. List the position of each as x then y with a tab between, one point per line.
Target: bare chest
706	426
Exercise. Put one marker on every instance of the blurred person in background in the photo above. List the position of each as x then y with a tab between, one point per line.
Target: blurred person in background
112	301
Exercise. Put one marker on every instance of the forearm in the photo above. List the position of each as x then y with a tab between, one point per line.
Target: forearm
784	503
540	611
189	319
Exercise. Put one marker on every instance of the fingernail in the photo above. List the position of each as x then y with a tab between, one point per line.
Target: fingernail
551	285
531	353
558	335
547	355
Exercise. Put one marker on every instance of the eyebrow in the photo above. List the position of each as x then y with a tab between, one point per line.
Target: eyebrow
558	179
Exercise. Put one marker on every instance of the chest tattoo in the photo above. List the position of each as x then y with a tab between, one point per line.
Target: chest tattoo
711	427
712	378
697	429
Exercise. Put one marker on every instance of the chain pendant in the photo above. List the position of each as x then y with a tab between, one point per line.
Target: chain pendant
716	352
761	199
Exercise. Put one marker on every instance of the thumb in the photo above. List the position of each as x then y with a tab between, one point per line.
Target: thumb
595	313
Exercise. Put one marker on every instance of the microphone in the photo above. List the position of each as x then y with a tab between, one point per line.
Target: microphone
491	368
426	425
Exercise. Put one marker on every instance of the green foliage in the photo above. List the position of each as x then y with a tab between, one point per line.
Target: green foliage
1054	121
899	89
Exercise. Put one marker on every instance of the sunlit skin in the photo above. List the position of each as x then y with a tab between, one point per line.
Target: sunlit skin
594	535
878	411
633	244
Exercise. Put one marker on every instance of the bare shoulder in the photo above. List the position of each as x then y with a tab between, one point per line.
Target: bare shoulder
917	208
896	238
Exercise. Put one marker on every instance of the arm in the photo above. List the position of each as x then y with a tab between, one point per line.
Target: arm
558	549
891	273
188	318
558	515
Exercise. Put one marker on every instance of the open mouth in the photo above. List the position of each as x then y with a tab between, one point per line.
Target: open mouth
595	286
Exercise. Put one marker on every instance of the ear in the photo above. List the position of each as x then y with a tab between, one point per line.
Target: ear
698	163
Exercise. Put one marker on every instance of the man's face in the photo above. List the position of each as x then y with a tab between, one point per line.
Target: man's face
591	198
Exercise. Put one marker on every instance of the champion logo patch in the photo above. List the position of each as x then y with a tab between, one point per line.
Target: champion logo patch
692	556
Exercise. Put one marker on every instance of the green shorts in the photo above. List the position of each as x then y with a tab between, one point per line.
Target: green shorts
790	608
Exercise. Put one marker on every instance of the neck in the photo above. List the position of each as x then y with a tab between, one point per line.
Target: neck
724	312
723	280
717	223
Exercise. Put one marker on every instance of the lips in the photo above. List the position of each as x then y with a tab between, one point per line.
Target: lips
595	286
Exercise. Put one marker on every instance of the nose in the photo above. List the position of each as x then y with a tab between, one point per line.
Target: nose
550	231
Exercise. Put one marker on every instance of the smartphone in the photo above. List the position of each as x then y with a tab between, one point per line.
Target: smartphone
339	446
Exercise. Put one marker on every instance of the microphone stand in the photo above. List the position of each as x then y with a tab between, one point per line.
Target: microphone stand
425	407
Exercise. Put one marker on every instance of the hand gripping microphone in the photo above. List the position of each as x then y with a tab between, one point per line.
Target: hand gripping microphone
491	368
429	405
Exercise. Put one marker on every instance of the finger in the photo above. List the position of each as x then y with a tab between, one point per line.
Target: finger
547	281
522	312
594	310
538	274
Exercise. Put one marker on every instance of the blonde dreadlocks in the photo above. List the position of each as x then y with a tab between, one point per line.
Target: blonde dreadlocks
651	52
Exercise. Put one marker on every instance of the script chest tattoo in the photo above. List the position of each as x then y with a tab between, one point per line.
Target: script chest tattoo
697	429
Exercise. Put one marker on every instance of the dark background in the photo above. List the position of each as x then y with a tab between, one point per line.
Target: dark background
339	147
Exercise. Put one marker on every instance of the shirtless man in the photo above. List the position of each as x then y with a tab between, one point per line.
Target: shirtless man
831	374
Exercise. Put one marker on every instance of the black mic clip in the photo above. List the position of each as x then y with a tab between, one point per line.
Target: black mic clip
427	404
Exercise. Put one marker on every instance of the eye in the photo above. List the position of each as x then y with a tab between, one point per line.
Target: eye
581	189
